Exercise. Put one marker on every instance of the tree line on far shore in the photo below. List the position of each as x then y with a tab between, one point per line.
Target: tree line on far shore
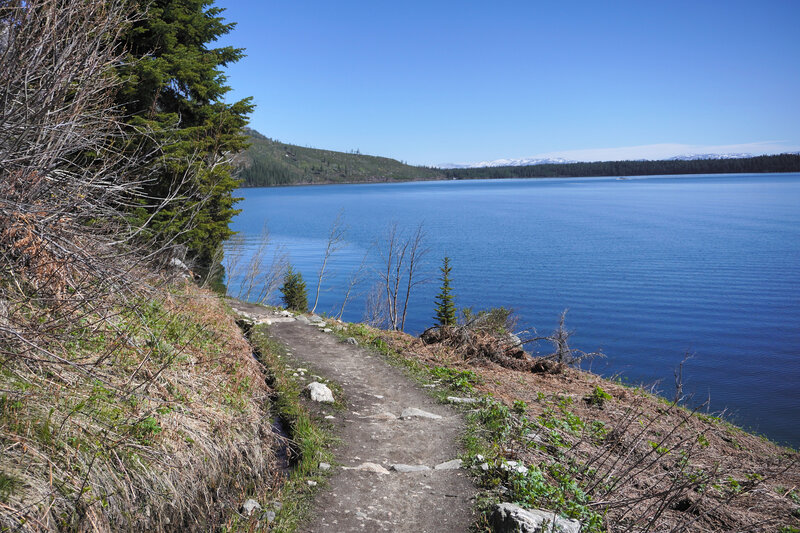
758	164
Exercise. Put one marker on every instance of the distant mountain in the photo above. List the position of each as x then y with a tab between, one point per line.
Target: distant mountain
528	161
269	162
694	157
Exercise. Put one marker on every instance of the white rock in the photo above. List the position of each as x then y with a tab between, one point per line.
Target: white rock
324	466
320	392
311	483
177	263
329	417
370	467
409	468
413	412
326	330
510	518
249	506
449	465
456	399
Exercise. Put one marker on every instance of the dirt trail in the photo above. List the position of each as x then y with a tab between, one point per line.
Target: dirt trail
372	432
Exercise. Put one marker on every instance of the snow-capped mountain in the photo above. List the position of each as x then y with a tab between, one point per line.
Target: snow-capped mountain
512	162
692	157
561	160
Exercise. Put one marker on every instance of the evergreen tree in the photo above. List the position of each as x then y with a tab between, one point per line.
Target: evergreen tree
173	88
293	291
445	309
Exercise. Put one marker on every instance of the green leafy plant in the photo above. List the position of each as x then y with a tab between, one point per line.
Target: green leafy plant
598	397
462	380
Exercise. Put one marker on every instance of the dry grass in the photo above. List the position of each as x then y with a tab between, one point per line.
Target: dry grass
645	463
156	422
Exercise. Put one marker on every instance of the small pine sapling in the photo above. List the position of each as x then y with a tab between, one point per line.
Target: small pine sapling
445	309
293	291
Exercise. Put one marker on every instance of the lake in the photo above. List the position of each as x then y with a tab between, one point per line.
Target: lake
650	269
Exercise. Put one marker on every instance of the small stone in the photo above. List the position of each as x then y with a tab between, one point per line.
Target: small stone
249	506
311	483
324	466
485	467
330	417
320	392
409	468
303	320
456	399
371	467
269	516
326	330
351	340
378	396
302	370
455	464
413	412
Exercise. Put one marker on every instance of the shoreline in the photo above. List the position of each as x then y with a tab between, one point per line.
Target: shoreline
612	176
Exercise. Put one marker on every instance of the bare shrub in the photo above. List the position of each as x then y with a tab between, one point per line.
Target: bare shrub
335	242
113	412
401	258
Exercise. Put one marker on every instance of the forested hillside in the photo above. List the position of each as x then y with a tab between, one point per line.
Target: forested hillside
268	162
764	163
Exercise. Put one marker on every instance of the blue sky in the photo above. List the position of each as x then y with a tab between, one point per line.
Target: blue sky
457	82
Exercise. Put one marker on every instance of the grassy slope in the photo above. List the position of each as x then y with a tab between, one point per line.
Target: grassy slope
268	162
616	457
159	422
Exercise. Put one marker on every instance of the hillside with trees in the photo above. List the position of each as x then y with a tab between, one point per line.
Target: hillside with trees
268	162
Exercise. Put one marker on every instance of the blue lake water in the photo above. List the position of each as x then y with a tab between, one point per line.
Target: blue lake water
650	268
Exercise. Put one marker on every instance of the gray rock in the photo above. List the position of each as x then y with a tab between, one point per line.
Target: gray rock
316	319
324	466
413	412
510	518
455	464
409	468
326	330
269	516
320	392
511	340
351	340
456	399
370	467
177	263
303	320
249	506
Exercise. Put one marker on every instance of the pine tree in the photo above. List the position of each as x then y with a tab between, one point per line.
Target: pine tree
294	294
445	309
173	88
